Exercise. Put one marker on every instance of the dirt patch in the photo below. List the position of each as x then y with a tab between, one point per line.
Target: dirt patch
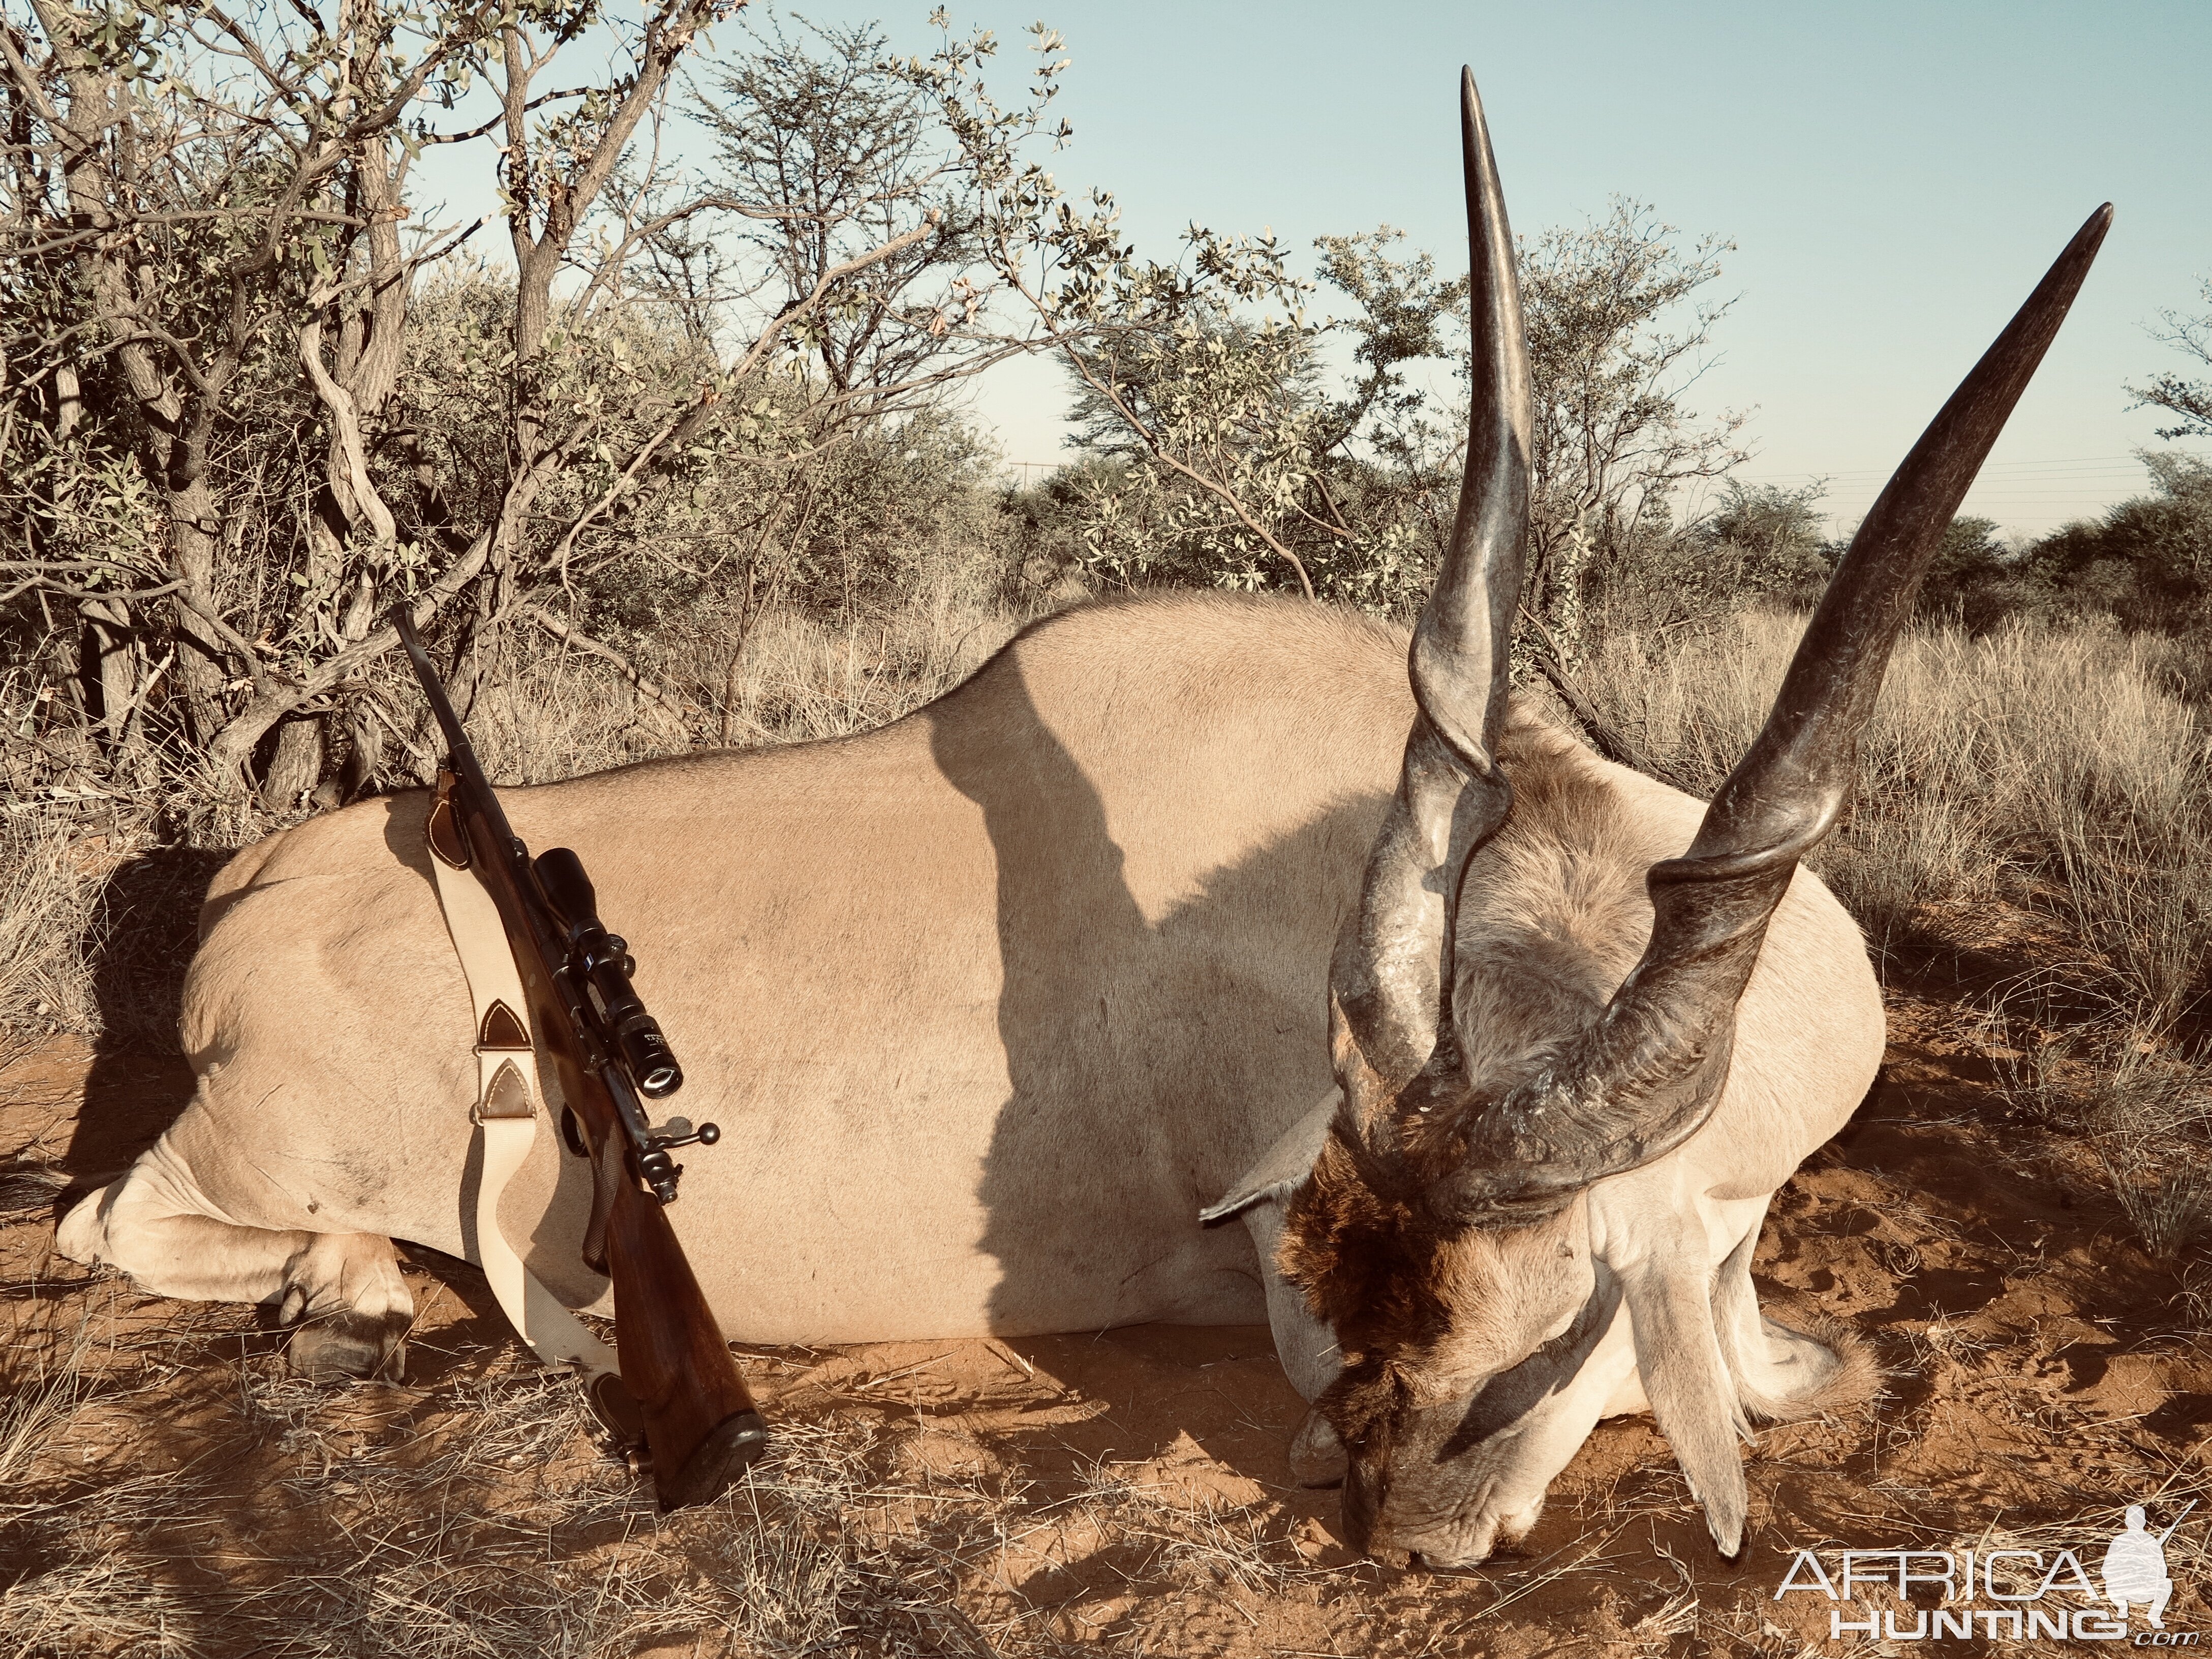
166	1487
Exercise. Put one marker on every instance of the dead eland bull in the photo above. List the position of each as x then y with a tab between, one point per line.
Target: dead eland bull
989	1001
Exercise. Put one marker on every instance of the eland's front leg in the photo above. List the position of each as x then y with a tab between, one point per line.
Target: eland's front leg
343	1291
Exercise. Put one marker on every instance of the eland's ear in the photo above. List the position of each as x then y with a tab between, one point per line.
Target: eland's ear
1686	1379
1280	1168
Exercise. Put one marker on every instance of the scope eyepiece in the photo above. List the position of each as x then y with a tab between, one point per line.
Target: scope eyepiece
601	960
652	1062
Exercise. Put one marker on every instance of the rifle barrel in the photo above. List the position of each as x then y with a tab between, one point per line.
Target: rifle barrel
2178	1520
457	748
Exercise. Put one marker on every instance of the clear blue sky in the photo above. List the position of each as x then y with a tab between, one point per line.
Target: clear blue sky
1896	177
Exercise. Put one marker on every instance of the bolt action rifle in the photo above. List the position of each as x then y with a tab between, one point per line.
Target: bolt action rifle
678	1384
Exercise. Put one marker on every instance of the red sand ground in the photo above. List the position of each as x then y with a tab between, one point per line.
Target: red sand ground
2040	1373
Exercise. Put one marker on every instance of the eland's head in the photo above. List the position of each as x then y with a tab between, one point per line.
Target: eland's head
1455	1233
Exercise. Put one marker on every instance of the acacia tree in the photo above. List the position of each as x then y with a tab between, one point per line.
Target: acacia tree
833	174
149	221
2190	399
1212	408
1393	449
223	436
1616	338
1244	468
206	218
1237	466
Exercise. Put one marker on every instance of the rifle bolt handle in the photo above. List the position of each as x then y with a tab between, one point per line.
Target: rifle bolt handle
705	1135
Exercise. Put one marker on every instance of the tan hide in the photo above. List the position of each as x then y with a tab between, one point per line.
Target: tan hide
988	1003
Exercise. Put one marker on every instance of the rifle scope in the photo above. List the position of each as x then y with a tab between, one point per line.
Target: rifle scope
602	961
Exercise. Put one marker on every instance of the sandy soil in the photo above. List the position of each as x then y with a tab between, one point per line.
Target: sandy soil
166	1486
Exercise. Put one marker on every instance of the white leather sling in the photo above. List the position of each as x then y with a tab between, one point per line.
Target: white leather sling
507	1108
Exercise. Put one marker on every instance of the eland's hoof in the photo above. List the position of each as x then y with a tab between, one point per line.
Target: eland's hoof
351	1344
1316	1455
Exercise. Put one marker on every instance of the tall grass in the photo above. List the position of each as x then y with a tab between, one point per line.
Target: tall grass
50	925
796	678
2054	770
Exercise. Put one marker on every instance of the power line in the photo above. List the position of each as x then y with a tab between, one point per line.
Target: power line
2110	465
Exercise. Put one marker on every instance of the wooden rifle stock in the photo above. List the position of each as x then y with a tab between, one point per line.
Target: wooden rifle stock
679	1381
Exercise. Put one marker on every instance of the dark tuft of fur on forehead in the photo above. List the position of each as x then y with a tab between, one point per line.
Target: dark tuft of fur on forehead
1364	1260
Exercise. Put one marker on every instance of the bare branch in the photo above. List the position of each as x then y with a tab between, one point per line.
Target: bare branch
575	637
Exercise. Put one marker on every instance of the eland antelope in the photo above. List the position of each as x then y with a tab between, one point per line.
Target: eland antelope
1496	1050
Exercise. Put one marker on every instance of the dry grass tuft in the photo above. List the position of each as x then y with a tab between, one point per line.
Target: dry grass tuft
2144	1113
2169	1201
49	920
2049	769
